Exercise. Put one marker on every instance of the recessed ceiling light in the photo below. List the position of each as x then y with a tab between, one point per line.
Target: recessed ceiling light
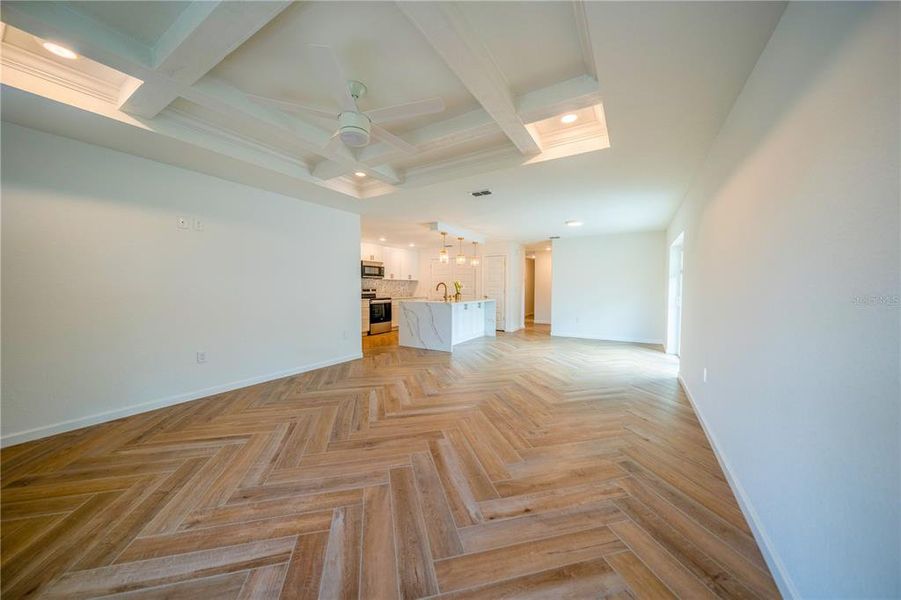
381	239
359	173
411	244
547	248
574	223
570	118
60	51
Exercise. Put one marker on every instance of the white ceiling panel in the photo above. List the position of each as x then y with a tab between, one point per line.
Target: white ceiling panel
143	21
374	43
533	43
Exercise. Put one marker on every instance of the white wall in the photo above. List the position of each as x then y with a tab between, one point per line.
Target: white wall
516	291
793	217
543	287
426	288
105	301
610	287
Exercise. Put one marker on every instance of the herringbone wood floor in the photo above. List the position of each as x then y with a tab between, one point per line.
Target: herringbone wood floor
522	466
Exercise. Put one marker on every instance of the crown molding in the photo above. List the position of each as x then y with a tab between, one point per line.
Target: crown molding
29	63
206	127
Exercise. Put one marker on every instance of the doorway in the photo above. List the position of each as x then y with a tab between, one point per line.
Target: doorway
529	289
674	301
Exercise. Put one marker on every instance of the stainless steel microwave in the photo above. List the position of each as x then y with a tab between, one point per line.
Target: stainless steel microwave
372	270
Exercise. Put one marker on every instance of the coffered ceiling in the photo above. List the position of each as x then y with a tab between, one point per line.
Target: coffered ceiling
649	83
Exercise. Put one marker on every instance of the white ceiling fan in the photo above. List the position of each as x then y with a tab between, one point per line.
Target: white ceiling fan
355	127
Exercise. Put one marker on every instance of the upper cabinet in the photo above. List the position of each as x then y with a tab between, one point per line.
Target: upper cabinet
370	251
399	262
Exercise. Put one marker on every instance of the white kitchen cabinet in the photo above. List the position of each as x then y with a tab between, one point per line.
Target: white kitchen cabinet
437	325
396	261
411	265
364	316
393	259
370	251
400	263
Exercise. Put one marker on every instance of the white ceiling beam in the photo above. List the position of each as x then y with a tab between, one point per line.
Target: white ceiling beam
566	96
454	232
435	136
447	132
446	29
202	36
329	169
584	32
233	103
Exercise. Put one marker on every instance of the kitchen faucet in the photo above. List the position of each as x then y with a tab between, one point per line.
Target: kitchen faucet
445	289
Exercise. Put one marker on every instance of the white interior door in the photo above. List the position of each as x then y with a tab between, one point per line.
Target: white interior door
495	273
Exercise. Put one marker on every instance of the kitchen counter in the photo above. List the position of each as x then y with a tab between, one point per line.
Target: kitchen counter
439	325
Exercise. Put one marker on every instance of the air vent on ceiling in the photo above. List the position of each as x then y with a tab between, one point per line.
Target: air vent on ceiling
481	193
554	237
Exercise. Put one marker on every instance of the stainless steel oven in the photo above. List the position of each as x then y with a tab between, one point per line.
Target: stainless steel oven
372	270
379	315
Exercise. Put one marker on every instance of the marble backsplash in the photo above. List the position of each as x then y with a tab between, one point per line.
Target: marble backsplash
391	288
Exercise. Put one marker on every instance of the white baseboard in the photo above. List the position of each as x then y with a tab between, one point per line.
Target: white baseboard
589	336
28	435
541	322
777	567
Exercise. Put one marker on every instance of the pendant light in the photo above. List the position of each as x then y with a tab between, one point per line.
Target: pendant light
474	261
461	258
442	255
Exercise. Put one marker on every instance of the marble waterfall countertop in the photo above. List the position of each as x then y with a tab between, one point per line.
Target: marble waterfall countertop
439	325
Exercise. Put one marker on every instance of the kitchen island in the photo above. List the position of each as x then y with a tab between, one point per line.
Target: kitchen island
438	325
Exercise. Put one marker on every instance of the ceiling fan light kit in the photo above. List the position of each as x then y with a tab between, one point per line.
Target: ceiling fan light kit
353	129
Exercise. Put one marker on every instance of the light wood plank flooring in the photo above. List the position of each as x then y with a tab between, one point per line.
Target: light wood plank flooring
519	467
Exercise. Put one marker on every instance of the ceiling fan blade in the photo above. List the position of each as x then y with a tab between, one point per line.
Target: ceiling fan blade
389	138
292	107
330	72
405	111
332	146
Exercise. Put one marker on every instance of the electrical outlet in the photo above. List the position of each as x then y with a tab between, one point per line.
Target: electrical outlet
182	222
344	334
704	375
198	224
201	358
